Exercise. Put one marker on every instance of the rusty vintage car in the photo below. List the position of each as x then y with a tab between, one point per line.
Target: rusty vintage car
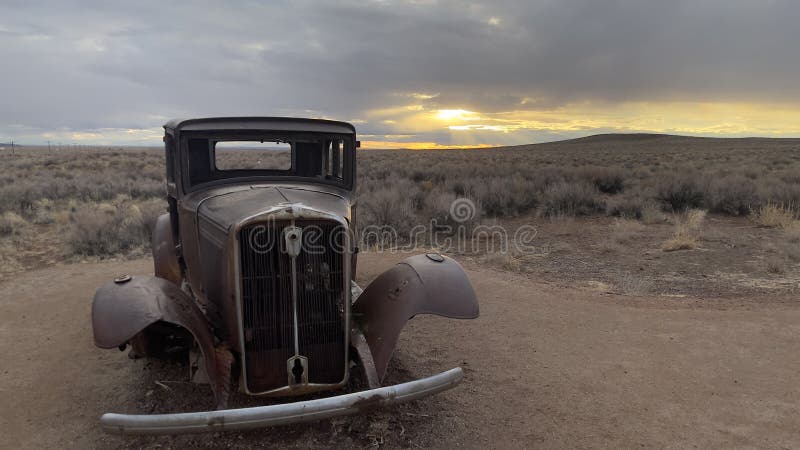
254	278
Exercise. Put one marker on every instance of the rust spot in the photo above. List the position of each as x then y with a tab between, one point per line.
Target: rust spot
394	294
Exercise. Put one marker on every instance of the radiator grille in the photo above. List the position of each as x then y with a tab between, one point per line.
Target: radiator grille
266	299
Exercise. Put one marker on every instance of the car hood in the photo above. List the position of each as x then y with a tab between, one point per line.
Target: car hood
225	209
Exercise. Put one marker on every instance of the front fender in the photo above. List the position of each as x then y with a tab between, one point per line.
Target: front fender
123	309
422	284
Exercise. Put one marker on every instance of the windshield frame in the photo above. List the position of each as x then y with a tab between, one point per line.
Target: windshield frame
217	177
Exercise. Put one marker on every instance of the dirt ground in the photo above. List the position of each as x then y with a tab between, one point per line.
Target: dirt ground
733	257
546	366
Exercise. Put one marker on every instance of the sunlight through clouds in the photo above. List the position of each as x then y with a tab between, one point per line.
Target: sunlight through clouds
471	128
455	114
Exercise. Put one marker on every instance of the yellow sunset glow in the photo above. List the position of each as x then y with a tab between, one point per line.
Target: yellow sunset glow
454	114
468	128
423	125
394	145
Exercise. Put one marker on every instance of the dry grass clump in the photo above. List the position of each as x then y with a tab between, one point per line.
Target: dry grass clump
571	199
685	236
11	224
774	215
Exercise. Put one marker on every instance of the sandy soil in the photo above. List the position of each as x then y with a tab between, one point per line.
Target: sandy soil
546	366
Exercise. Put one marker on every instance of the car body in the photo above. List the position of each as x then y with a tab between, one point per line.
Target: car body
254	268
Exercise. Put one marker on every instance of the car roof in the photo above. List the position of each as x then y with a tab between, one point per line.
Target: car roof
260	123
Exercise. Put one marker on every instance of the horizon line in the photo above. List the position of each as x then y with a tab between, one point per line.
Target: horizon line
430	146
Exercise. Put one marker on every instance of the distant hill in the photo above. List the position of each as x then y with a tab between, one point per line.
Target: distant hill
639	140
627	137
652	140
645	137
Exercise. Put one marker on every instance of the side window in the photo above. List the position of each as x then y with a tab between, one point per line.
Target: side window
334	159
199	160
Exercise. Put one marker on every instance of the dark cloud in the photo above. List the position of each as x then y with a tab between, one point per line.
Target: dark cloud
89	65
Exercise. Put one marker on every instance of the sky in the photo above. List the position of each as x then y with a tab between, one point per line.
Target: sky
407	74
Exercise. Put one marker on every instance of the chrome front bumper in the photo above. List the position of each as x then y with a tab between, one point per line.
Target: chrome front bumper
264	416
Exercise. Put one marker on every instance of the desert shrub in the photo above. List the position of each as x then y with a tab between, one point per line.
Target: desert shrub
468	215
639	207
571	199
680	192
11	223
149	211
781	192
106	230
543	179
790	177
507	196
735	195
461	188
627	207
19	197
146	188
607	180
43	211
686	234
389	206
418	176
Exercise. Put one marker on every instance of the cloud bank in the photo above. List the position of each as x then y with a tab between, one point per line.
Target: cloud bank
513	71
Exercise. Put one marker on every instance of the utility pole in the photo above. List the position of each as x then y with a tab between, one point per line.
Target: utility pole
12	148
49	150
